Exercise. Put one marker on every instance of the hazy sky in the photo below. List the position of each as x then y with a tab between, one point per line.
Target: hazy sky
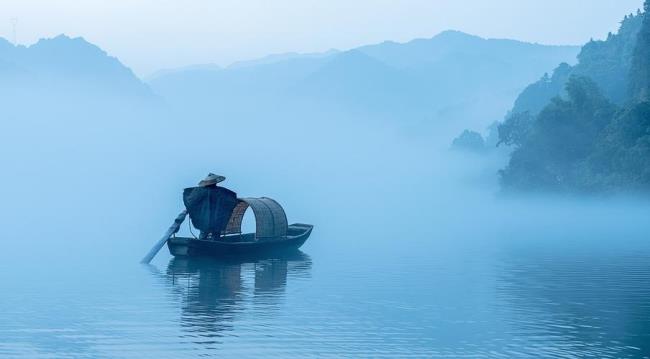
152	34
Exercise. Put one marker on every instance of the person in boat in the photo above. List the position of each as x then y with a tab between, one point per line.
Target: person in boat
210	206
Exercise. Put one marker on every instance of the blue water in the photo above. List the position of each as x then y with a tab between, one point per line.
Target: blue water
499	280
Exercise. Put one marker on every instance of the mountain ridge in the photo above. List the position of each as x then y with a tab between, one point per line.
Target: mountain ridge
424	77
442	36
69	64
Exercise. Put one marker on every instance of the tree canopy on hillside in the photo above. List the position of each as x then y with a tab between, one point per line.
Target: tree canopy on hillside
594	135
608	63
640	70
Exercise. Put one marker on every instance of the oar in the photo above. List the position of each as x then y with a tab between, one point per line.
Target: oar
172	230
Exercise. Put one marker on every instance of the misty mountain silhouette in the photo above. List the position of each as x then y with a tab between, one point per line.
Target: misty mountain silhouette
67	64
452	43
447	78
353	78
421	77
271	59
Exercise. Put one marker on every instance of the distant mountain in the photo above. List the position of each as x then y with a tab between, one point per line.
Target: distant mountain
452	44
440	77
166	72
64	64
271	59
355	79
266	60
65	94
234	85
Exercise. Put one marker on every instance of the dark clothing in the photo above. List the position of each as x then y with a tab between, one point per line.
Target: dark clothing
209	208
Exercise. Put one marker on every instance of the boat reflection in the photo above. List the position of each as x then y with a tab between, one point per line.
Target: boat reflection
213	292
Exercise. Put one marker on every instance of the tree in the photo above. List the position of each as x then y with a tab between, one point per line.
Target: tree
515	129
580	140
469	141
640	72
552	149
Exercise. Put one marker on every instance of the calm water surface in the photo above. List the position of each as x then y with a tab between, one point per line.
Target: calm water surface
451	287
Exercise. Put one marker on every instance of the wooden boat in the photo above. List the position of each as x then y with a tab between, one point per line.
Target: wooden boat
272	233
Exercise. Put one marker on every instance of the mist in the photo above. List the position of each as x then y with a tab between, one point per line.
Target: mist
423	245
118	161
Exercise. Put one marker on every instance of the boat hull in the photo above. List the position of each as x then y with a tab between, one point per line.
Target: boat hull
192	247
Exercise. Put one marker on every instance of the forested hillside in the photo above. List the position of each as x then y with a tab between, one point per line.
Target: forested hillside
586	128
608	63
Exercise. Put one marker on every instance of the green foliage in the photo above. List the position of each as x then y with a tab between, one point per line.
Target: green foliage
515	129
564	134
622	158
608	63
536	96
581	140
640	69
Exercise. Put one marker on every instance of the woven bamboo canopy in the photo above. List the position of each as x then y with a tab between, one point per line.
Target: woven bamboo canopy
270	219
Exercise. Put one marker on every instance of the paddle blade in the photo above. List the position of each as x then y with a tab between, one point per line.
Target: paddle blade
172	230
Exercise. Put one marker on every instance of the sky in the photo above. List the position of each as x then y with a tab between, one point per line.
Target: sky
149	35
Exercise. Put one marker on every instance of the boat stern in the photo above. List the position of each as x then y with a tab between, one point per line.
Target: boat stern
178	246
